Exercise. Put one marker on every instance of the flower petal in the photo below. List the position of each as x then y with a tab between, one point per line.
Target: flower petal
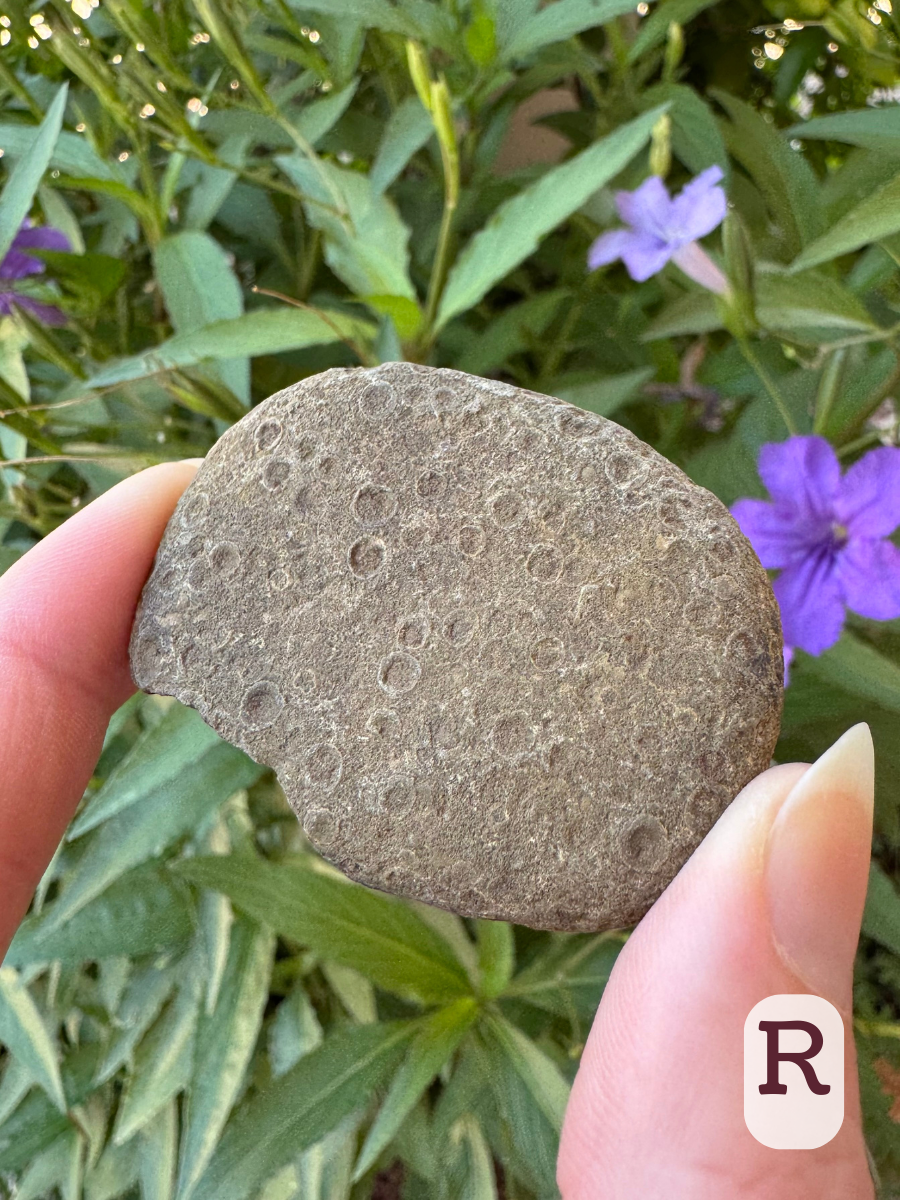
869	573
699	208
788	659
802	473
645	255
17	264
776	535
869	503
809	596
48	314
646	208
608	247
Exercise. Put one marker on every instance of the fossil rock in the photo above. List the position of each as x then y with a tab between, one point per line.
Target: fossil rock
503	656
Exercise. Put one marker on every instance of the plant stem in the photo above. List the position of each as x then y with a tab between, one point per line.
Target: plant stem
828	386
441	261
860	443
769	384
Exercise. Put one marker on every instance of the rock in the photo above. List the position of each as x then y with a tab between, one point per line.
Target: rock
503	656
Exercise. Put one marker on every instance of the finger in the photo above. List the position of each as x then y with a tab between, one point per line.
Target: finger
770	903
66	610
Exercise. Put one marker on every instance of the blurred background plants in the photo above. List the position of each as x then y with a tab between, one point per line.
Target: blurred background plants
198	1006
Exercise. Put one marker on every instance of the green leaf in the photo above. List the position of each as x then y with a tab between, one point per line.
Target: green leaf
561	20
301	1107
23	1032
881	919
859	669
225	1042
199	288
693	312
871	128
367	248
437	1038
72	154
785	179
516	228
473	1170
654	30
514	329
569	977
316	119
811	308
37	1123
293	1032
875	218
160	754
158	1154
163	1062
114	1173
407	131
696	138
18	195
137	834
146	993
214	184
496	956
53	1168
540	1074
605	393
146	911
263	331
371	932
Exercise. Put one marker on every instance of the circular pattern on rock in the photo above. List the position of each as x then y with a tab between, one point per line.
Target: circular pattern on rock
503	657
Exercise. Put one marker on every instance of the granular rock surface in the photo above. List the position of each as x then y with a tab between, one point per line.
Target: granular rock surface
503	656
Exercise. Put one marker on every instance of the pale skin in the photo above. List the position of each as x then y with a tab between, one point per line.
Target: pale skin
770	903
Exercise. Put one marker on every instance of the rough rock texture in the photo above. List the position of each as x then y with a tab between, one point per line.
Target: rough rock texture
503	656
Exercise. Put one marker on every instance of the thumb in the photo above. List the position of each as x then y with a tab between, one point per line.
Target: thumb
770	903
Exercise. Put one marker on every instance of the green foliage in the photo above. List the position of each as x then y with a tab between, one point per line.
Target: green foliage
197	1006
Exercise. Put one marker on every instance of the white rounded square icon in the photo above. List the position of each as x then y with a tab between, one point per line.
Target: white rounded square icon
794	1072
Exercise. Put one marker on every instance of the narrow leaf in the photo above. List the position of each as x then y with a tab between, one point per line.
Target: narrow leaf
496	956
871	128
162	752
655	28
606	393
562	20
540	1074
875	218
407	131
855	667
158	1154
516	228
23	1032
438	1037
301	1107
225	1042
18	195
369	931
133	836
881	919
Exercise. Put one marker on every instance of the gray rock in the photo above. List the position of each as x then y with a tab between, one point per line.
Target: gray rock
504	657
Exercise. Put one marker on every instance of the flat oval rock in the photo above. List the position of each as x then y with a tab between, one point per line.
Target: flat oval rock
503	656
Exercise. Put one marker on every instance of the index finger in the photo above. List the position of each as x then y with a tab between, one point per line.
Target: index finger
66	610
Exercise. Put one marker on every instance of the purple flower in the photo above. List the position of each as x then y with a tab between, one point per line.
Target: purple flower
18	264
827	535
665	227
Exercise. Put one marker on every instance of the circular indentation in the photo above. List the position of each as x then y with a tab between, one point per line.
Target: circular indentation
377	401
445	733
324	765
366	557
320	827
199	574
412	632
431	485
674	510
552	514
398	792
547	654
374	504
305	447
645	844
194	507
328	469
471	540
268	435
304	682
572	422
544	563
224	559
275	474
151	652
280	579
261	705
624	469
399	673
384	723
508	509
459	628
303	503
513	734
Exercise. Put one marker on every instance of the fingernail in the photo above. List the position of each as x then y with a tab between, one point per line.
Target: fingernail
194	462
817	865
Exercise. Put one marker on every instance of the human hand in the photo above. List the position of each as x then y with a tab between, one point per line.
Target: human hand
770	903
656	1110
66	610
